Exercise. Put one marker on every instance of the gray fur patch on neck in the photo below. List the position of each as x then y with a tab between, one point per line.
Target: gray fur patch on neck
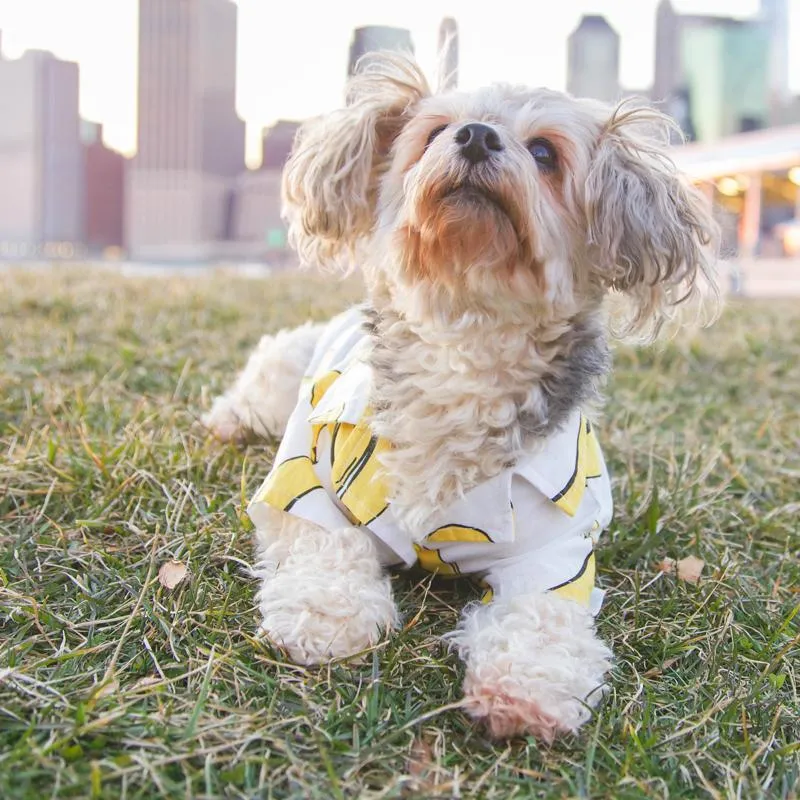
574	379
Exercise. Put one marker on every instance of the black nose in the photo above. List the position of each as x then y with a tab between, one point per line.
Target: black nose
478	142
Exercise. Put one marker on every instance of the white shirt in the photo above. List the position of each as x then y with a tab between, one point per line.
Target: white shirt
530	528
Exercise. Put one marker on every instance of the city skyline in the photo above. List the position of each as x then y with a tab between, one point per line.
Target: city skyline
513	47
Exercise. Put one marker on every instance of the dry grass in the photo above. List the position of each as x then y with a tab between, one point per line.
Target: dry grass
112	686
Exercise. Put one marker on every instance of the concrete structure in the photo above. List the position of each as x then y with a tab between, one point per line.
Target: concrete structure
276	143
726	74
448	54
41	155
775	15
711	73
754	180
105	192
372	38
190	139
259	230
789	114
593	60
667	76
257	218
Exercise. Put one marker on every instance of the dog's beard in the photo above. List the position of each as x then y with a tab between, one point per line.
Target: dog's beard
464	232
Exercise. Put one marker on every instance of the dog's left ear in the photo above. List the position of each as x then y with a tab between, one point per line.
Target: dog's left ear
330	183
651	233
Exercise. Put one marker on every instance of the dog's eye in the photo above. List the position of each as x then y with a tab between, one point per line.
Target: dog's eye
433	134
543	152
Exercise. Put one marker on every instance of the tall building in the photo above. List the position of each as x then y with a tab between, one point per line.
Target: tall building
448	54
190	139
105	192
257	221
41	155
711	73
788	114
377	37
277	142
775	14
593	60
671	30
667	74
726	75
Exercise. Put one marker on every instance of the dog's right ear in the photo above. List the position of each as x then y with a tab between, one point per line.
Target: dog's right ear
653	234
330	183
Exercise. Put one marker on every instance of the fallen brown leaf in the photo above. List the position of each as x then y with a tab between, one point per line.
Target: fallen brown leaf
687	569
171	574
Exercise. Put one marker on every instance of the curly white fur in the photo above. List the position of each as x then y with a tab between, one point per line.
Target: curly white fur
263	397
533	665
323	593
453	407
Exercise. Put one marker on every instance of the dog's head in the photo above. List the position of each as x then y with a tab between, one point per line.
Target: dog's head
497	198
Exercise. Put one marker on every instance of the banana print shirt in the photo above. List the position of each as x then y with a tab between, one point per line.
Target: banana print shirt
530	528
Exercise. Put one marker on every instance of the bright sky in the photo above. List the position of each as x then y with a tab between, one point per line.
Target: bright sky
293	55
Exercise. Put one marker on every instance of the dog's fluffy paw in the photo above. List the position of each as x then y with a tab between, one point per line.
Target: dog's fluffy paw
264	394
223	421
534	665
327	598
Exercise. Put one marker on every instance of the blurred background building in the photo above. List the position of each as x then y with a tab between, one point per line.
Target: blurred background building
448	55
257	219
775	16
41	154
712	73
190	140
754	180
377	37
104	181
593	60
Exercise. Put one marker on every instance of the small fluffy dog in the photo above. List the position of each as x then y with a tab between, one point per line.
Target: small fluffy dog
447	421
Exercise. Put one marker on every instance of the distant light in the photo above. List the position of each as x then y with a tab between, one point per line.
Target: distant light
791	240
730	187
794	175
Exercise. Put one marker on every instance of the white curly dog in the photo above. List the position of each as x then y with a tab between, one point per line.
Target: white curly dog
448	420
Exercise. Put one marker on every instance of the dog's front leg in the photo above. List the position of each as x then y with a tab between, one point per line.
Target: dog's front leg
323	594
534	664
262	398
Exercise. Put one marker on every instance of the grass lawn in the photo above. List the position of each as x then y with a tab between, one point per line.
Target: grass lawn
113	686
